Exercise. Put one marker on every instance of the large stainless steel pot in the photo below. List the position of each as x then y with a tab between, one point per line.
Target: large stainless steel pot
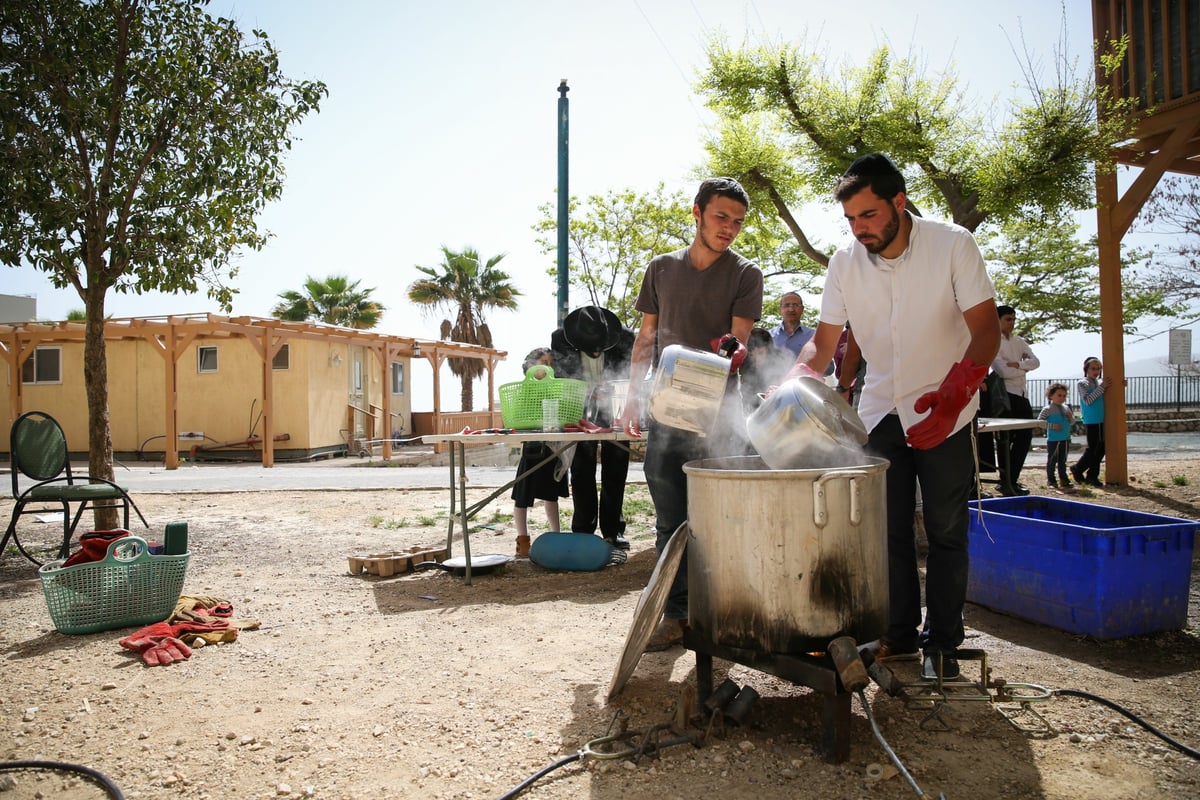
804	423
783	561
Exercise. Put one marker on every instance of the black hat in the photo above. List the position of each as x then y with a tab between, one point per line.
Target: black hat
592	329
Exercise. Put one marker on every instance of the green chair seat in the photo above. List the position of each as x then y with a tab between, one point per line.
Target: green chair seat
39	453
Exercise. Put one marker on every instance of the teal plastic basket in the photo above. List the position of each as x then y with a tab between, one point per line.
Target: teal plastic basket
128	587
521	402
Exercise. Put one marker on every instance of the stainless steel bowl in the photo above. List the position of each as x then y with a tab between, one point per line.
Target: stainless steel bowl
804	424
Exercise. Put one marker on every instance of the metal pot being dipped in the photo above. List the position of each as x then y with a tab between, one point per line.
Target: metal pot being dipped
784	560
804	423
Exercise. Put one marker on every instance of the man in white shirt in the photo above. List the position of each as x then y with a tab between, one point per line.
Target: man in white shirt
919	300
1014	360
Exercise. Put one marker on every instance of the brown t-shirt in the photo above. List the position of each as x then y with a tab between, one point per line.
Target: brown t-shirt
695	306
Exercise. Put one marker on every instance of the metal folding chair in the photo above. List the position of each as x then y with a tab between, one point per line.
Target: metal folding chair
38	450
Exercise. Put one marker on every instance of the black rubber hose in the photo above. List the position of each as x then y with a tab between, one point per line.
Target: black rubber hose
543	772
1183	748
110	788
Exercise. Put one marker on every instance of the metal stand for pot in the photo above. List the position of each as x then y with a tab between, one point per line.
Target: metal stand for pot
817	673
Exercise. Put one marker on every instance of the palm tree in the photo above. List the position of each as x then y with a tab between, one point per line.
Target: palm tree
464	283
336	300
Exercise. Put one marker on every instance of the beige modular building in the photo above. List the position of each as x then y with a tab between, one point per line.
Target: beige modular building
209	386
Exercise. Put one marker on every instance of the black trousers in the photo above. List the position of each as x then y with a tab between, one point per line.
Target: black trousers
608	514
1013	446
946	478
1089	463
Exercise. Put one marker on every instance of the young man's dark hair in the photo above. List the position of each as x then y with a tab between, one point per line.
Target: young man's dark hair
1003	311
875	170
721	187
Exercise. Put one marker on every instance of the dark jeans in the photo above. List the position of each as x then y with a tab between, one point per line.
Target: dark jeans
614	468
946	474
1056	460
1089	463
1011	463
667	450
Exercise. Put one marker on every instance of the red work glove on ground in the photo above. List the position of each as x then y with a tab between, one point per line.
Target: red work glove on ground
729	345
157	644
945	404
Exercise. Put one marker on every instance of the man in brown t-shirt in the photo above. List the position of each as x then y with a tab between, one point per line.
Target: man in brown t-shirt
689	297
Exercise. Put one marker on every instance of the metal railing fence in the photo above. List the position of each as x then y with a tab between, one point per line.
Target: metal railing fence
1162	392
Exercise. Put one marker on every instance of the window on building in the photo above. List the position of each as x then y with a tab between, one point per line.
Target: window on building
206	359
43	366
397	377
283	358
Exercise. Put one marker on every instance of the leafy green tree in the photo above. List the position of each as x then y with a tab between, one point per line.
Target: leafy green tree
467	286
1173	214
790	126
1035	264
336	301
140	139
614	236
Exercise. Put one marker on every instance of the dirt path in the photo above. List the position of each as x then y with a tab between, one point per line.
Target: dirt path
421	687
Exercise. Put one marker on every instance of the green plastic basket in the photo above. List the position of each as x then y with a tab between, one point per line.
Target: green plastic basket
128	587
521	402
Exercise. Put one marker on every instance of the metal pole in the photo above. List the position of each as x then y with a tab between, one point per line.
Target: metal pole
564	199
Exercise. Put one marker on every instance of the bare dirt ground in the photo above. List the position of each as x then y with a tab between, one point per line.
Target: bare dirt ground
419	686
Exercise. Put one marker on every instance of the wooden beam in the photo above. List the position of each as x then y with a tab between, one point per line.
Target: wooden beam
1112	327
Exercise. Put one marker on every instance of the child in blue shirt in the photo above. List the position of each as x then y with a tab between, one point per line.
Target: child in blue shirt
1091	403
1058	417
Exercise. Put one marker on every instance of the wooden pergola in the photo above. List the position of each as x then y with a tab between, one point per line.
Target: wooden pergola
171	335
1161	71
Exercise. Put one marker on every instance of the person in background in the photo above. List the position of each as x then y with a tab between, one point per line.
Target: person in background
541	484
593	346
1013	362
1091	404
790	334
704	296
923	313
765	364
1058	417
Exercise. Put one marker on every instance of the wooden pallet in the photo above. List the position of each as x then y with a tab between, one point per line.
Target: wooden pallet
387	564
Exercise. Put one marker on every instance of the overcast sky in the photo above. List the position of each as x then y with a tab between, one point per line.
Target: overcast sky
440	128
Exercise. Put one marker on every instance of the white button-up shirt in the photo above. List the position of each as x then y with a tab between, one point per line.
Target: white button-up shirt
907	314
1014	348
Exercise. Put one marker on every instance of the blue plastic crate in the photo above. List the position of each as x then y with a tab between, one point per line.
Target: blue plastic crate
1088	569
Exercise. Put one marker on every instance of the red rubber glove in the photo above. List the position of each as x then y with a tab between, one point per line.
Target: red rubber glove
798	370
157	644
731	347
802	370
945	404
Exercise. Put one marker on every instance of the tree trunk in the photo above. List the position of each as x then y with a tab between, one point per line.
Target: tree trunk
95	379
468	391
